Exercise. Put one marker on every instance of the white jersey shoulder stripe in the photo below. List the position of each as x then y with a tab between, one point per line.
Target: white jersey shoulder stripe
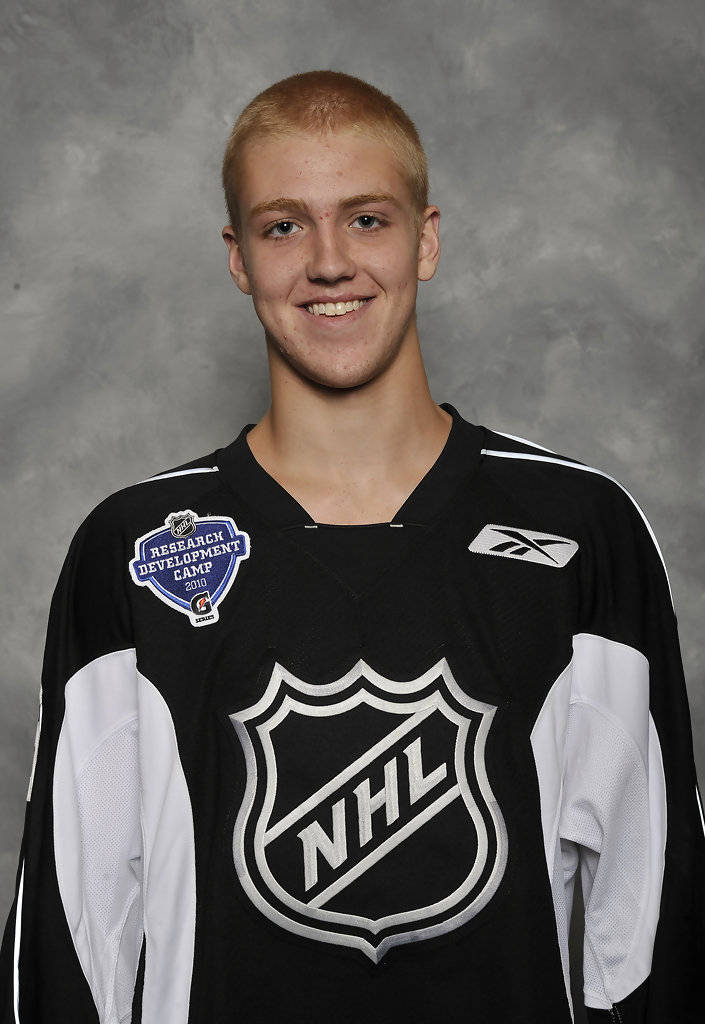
18	929
179	472
523	440
700	806
586	469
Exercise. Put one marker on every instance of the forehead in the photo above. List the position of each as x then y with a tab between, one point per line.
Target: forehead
320	169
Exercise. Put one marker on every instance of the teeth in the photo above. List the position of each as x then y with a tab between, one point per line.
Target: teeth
335	308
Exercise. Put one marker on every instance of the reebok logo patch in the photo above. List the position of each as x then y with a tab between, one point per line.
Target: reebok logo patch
528	545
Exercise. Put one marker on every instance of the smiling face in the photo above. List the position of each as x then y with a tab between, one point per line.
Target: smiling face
331	253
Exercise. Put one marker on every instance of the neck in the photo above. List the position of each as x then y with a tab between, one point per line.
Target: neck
343	451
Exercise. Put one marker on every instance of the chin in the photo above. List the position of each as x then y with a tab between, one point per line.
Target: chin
342	380
341	370
337	377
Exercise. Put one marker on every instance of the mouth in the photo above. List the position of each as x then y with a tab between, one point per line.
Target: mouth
336	312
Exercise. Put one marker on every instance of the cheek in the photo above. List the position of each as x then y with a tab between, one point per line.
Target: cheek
274	277
270	296
397	275
406	282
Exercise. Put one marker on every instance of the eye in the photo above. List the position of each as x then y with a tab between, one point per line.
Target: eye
283	228
366	218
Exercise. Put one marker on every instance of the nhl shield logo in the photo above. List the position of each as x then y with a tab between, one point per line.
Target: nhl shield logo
181	523
368	818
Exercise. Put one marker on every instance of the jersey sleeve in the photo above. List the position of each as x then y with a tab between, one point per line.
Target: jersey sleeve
631	820
73	938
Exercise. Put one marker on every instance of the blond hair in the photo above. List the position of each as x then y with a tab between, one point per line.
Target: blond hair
325	101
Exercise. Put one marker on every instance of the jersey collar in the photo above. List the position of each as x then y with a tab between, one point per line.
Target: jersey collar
250	481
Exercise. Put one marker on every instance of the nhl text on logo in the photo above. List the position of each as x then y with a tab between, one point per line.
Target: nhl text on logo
190	563
330	846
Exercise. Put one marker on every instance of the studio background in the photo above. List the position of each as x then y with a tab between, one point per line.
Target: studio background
566	146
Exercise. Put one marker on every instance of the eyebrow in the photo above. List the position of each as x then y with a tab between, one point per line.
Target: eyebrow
302	207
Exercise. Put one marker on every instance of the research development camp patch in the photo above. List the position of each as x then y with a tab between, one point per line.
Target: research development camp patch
190	562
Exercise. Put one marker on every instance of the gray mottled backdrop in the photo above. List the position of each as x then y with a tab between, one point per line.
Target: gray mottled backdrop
566	143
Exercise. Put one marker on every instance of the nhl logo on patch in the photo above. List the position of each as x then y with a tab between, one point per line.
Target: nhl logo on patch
368	818
190	562
182	524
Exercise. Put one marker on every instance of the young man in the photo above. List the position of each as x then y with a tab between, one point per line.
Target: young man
332	717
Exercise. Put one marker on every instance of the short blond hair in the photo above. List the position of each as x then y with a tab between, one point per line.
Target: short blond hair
325	101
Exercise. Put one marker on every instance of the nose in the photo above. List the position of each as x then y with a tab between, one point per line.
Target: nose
329	258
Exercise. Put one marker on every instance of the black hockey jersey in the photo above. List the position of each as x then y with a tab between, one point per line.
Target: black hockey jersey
290	771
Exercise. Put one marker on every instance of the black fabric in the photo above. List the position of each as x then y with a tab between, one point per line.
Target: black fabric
400	611
632	1010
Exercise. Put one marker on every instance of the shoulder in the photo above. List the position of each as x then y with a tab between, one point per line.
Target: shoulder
546	475
91	612
111	528
579	500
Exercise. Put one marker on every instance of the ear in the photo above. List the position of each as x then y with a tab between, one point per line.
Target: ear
429	244
236	260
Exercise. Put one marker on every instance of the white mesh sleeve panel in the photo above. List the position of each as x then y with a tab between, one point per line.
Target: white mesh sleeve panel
124	842
169	864
570	858
613	807
97	833
548	743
